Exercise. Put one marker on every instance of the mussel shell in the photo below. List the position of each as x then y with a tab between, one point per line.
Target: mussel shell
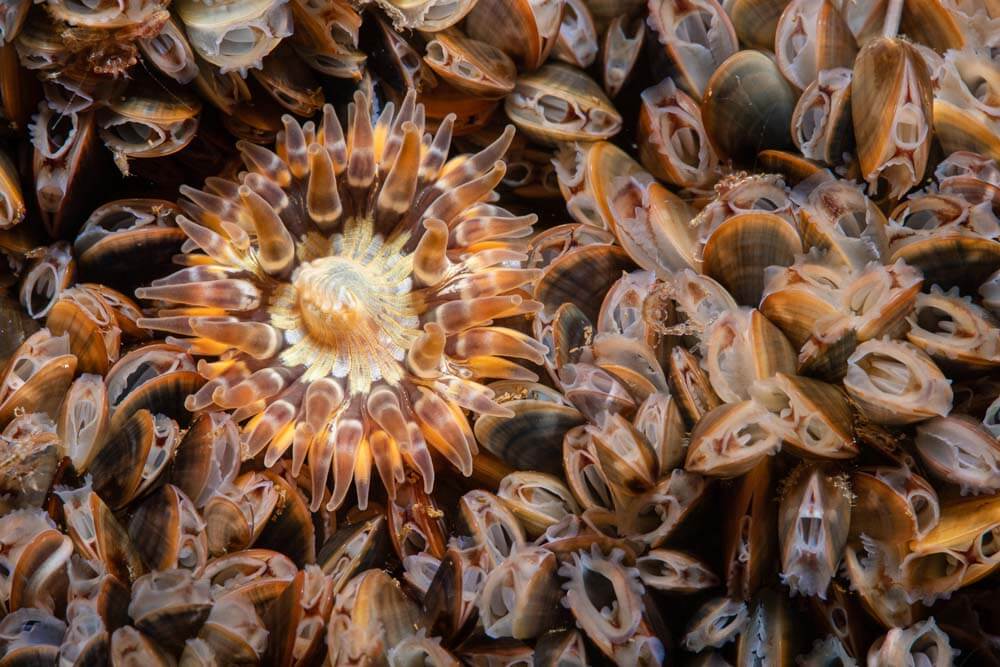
32	638
883	510
571	333
381	608
756	21
218	32
444	609
933	24
257	575
114	252
50	379
235	518
654	226
165	394
581	277
94	337
620	52
821	123
560	648
749	535
39	580
304	606
697	36
561	103
11	201
739	250
290	82
690	383
199	466
470	65
472	111
526	31
117	468
174	113
354	548
830	45
791	165
770	635
181	605
157	529
127	643
883	70
748	107
577	41
716	448
960	129
290	528
531	439
951	260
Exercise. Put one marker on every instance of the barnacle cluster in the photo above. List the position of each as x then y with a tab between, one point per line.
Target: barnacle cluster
499	332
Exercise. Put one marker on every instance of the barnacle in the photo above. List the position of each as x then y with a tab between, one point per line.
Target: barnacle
347	286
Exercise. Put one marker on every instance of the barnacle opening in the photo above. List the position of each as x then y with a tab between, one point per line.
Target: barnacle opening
888	374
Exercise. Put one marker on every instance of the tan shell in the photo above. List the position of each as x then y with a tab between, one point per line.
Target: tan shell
170	53
623	42
149	124
84	420
954	331
577	41
290	82
810	37
673	144
561	103
891	109
747	106
962	451
967	104
654	226
732	439
742	347
37	376
817	415
11	201
695	52
517	596
755	21
813	522
587	175
894	382
526	30
108	14
923	641
821	122
749	543
741	248
90	322
470	65
839	218
235	35
426	15
326	37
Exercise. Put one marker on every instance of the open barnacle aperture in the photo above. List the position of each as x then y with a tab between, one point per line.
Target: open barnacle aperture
343	295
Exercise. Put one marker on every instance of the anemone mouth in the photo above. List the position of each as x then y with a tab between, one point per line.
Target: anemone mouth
350	313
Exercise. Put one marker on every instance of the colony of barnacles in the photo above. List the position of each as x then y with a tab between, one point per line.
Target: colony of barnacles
499	332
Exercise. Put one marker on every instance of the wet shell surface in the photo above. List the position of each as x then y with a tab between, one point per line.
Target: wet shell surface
499	332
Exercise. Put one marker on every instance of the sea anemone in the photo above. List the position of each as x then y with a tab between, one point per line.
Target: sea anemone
344	292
